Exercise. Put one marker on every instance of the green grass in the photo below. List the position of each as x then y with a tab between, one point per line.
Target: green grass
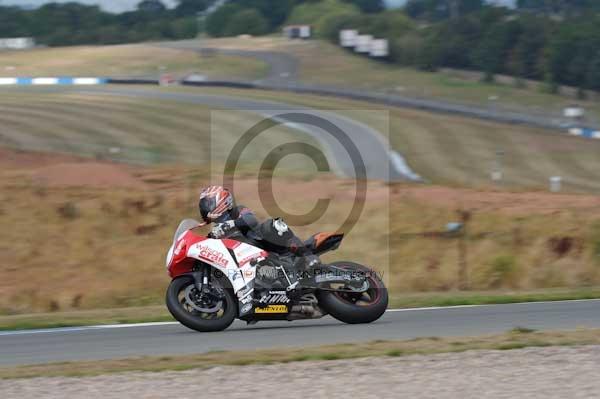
126	61
422	346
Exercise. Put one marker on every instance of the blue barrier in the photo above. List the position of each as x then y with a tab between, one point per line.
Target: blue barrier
585	132
44	81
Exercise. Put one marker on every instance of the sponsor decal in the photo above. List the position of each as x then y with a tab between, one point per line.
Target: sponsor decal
244	250
246	299
179	248
267	272
212	256
275	297
249	259
272	309
244	291
246	308
330	277
235	275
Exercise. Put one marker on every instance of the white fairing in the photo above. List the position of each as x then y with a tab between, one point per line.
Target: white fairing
184	226
215	253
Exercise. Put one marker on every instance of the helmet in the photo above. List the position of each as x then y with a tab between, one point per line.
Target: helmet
214	202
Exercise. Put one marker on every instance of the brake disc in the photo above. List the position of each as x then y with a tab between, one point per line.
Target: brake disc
190	300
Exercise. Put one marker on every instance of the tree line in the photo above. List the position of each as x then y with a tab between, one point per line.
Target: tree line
64	24
68	24
557	41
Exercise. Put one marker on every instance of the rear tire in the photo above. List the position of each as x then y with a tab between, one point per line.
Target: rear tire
342	307
196	321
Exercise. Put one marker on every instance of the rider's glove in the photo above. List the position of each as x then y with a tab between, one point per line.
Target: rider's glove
221	229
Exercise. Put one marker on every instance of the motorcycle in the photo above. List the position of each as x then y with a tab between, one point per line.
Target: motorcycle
215	281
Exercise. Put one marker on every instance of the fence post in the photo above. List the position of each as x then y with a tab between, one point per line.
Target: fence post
463	267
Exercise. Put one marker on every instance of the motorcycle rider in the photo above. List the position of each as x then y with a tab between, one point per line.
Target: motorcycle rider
238	222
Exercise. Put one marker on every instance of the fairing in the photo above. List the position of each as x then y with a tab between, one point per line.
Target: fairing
230	257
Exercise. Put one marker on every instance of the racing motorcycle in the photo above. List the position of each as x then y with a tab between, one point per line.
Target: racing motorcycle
215	281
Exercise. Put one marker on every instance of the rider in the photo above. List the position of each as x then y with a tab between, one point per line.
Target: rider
217	206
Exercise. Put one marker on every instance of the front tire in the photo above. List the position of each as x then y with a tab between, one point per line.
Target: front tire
356	308
197	320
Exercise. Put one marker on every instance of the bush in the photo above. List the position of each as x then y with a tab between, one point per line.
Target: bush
69	211
595	241
319	15
502	272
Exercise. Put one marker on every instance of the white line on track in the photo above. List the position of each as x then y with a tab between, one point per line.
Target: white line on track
170	323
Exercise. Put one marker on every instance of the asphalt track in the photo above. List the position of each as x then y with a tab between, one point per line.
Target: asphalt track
111	342
283	76
283	68
380	161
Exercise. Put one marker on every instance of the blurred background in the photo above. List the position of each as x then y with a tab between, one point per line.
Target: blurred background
490	109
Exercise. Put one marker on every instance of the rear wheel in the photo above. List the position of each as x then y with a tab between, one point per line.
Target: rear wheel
356	307
213	310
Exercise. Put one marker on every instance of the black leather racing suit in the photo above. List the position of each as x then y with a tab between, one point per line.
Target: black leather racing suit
263	235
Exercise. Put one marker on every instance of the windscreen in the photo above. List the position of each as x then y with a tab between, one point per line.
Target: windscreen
185	225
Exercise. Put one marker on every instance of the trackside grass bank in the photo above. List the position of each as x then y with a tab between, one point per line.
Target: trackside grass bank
518	338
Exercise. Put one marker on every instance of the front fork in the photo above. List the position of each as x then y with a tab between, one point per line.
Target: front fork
202	278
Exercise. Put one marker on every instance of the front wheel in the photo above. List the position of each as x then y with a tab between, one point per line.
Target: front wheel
214	310
356	307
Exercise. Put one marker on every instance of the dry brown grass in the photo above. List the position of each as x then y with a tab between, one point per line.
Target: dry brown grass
518	338
325	63
75	243
456	151
125	60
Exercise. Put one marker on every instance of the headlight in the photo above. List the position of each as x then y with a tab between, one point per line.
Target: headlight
169	257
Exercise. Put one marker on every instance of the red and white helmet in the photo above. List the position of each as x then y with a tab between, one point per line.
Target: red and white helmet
214	202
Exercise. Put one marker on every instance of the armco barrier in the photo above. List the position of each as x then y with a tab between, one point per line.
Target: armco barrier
503	116
373	97
222	83
126	81
48	81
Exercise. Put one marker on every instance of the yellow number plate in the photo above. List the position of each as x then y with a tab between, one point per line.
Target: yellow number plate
272	309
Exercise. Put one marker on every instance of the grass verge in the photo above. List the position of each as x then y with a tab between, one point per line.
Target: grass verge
158	313
491	297
517	338
126	60
430	143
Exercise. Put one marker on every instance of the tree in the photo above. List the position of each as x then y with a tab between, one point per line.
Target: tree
593	73
318	14
492	52
368	6
187	8
218	20
274	11
151	6
435	10
249	21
